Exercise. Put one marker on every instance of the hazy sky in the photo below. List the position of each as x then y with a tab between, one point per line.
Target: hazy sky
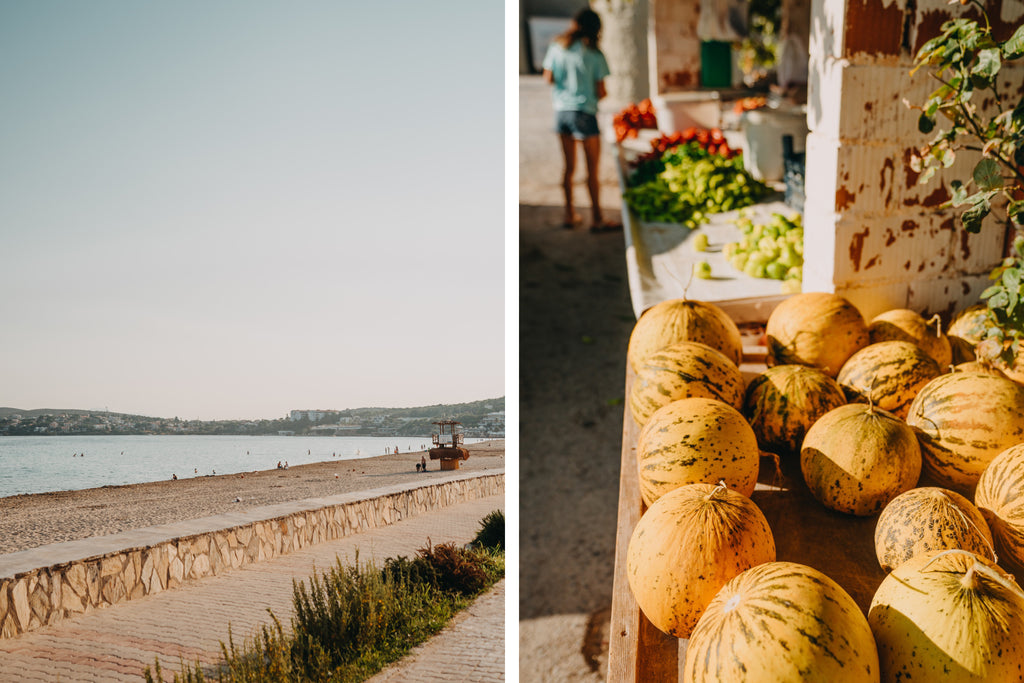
232	209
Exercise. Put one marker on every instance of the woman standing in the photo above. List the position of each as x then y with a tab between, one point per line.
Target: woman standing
577	68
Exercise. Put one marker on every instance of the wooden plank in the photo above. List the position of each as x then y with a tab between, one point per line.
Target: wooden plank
637	651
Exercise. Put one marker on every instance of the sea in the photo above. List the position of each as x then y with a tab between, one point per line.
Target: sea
39	464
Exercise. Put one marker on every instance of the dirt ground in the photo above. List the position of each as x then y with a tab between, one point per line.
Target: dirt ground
575	318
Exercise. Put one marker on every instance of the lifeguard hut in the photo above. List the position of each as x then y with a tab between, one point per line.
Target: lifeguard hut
447	442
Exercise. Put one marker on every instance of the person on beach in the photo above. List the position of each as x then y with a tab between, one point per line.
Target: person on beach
576	67
423	462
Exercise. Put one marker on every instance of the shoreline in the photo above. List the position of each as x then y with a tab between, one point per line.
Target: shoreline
31	520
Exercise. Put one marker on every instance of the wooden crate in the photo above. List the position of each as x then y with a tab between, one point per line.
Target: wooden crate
841	546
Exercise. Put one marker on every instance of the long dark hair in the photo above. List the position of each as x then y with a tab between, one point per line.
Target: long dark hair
585	27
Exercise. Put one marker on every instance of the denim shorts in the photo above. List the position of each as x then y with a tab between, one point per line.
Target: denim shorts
578	124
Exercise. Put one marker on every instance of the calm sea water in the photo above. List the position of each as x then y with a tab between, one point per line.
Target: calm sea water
36	464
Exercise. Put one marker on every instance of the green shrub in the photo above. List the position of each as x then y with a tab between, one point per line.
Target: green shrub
492	532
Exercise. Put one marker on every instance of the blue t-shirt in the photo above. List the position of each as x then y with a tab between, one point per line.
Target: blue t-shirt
577	70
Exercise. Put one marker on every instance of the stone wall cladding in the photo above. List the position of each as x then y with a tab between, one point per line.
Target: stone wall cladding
36	597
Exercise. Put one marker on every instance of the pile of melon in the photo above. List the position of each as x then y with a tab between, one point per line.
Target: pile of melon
886	418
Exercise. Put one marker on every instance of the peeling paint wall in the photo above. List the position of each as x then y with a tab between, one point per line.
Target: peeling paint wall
873	234
673	46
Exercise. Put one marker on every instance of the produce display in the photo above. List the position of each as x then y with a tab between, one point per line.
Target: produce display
926	519
774	250
902	324
683	370
633	118
963	421
675	320
693	441
947	609
691	180
783	402
1000	497
685	548
889	374
817	329
856	458
782	622
949	616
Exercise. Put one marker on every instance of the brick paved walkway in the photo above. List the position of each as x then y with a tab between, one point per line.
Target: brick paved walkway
471	648
119	642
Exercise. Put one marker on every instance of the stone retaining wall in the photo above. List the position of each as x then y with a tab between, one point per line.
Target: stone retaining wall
33	593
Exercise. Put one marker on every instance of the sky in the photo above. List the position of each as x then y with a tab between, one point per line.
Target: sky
233	209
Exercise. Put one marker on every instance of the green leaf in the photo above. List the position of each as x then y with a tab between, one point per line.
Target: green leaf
925	123
1011	279
991	291
972	217
1015	211
999	300
959	192
986	175
1014	47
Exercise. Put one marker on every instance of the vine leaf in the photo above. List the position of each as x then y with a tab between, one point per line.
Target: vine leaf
1014	47
973	216
986	175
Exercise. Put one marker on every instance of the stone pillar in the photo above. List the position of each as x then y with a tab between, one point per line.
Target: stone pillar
624	43
872	234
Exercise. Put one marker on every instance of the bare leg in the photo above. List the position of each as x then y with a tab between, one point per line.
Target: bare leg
592	153
569	157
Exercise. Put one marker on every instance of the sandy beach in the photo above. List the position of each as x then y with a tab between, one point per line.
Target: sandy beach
29	521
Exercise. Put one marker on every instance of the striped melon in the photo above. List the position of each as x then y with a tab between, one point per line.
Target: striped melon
1000	497
857	458
949	616
677	320
817	329
696	440
888	374
925	519
687	545
680	371
903	324
783	402
964	420
981	365
781	622
972	324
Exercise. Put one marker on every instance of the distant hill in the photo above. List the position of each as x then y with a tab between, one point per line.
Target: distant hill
36	412
477	408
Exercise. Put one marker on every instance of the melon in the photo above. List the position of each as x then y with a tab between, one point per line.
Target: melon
964	420
783	402
1000	497
857	458
676	320
980	365
903	324
781	622
949	616
696	440
817	329
925	519
683	370
889	373
972	323
687	545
